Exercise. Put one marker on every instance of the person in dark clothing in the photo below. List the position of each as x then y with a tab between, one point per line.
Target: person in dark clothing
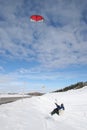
57	109
62	106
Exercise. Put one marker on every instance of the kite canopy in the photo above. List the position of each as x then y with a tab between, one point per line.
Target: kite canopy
36	18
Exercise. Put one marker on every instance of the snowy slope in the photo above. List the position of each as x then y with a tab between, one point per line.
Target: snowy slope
33	113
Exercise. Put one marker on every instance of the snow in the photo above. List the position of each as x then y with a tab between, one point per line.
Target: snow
34	113
12	95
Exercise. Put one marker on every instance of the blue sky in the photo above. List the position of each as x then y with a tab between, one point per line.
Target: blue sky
52	53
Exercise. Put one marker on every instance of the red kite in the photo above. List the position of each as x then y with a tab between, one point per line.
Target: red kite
36	18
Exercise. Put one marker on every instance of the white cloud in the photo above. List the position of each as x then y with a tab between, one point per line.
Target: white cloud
58	42
1	69
24	79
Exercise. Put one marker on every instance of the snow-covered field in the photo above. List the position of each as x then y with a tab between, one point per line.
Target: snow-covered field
34	113
12	95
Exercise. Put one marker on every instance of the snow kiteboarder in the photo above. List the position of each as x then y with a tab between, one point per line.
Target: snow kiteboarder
58	109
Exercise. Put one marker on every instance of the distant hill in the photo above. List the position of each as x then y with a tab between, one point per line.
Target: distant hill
35	94
73	86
